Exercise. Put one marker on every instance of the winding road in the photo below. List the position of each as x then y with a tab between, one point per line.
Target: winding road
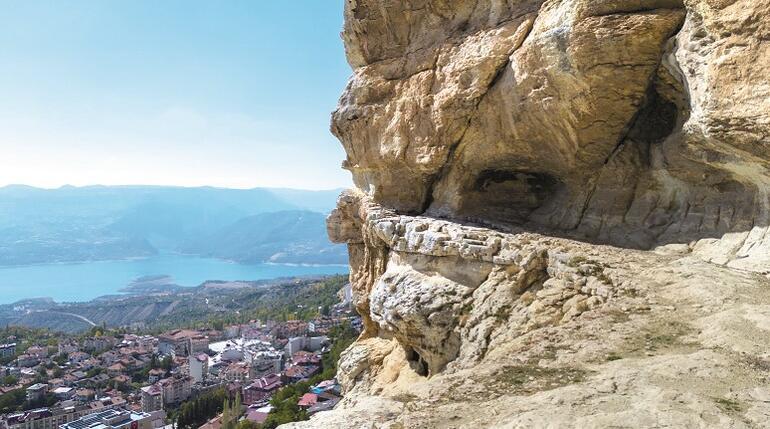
77	316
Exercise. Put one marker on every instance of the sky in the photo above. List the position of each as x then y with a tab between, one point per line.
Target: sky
177	92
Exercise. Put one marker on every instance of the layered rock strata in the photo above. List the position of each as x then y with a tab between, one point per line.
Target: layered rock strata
561	213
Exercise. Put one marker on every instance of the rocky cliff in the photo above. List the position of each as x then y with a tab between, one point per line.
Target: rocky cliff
561	215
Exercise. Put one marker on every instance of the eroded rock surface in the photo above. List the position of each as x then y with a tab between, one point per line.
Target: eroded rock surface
561	215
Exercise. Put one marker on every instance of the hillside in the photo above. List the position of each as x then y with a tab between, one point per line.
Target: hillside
281	237
72	224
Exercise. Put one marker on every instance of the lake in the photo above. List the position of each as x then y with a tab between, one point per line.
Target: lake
67	282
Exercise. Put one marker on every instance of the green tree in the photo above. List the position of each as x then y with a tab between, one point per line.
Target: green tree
193	414
166	363
248	424
12	401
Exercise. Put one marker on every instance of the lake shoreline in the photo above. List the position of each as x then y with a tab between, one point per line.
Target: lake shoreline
86	281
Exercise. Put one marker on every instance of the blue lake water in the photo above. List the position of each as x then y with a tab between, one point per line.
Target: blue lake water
85	281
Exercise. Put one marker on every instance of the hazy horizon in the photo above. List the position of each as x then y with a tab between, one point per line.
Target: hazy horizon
146	185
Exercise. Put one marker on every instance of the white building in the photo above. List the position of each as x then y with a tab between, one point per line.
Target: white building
241	350
64	393
311	344
199	367
233	353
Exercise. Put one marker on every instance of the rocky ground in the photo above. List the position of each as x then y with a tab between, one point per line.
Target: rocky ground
681	342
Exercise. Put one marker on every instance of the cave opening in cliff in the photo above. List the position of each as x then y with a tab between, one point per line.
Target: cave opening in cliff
656	120
416	361
510	195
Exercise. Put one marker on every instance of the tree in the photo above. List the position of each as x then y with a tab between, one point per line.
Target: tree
61	358
248	424
166	363
193	414
231	412
225	421
12	401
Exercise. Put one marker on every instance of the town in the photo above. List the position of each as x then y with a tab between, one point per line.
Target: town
242	375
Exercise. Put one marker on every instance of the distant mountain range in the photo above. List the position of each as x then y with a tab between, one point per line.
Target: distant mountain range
74	224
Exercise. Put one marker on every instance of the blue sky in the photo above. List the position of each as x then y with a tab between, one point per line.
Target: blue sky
220	93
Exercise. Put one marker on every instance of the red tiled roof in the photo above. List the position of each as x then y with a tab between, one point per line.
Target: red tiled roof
257	416
269	382
308	400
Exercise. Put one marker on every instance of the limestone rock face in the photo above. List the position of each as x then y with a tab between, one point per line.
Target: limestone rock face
561	213
634	123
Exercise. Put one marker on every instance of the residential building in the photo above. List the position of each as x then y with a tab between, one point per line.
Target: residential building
152	398
297	373
68	347
27	360
36	392
312	344
323	406
305	358
116	369
112	419
78	357
199	367
182	342
198	344
27	373
308	400
38	351
259	415
156	374
261	389
175	389
291	328
7	350
64	393
215	423
239	371
266	363
84	395
98	344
